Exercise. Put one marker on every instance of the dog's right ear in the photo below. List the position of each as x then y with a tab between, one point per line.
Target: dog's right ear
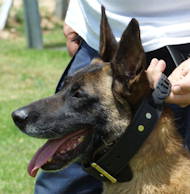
128	66
108	43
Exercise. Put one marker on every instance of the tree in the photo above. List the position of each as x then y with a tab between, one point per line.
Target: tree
61	8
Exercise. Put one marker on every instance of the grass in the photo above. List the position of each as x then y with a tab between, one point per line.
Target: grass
25	75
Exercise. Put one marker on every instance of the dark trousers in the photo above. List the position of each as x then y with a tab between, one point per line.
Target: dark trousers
73	180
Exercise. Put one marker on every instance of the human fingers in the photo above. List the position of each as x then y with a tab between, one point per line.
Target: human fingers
179	72
182	86
72	47
181	100
185	66
152	65
157	65
180	78
154	71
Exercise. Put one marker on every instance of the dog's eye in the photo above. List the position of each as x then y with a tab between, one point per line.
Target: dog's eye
80	94
76	91
77	94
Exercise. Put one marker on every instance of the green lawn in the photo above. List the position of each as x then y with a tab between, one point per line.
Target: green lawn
25	75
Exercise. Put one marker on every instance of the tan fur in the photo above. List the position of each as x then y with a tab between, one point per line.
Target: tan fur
162	165
102	87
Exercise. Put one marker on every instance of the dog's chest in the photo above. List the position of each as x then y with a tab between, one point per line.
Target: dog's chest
120	188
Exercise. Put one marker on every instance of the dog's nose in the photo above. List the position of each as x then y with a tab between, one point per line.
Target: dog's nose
20	115
24	116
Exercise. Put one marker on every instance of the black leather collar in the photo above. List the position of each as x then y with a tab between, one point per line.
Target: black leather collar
114	165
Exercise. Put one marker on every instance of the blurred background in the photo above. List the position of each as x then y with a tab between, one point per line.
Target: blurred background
32	59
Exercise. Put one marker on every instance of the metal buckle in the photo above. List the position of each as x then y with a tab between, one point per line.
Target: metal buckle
104	173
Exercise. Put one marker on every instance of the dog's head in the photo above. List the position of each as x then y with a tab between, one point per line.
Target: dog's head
93	108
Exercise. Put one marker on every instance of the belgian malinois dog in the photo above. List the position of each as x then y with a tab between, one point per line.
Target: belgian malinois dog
95	107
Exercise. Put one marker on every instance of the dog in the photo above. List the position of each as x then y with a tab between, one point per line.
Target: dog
95	107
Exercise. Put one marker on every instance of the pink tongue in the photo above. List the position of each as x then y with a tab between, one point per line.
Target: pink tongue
47	151
43	155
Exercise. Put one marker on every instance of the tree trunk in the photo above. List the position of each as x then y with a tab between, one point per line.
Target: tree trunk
61	8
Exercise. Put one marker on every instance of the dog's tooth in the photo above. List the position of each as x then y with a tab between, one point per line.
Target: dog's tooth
62	151
80	139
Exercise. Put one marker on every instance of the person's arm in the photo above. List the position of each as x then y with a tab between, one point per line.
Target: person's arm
179	78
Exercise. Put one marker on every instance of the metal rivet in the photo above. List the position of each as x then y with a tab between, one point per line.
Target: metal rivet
141	128
148	115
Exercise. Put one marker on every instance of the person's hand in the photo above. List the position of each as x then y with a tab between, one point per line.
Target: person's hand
179	78
154	71
72	39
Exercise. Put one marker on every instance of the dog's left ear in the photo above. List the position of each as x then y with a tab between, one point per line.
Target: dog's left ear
128	65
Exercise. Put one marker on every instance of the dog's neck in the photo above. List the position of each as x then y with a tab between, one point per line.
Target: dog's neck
158	161
163	142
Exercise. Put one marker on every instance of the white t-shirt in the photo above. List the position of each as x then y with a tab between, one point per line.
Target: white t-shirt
162	22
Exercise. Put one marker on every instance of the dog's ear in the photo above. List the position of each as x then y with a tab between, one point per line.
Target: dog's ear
128	65
108	43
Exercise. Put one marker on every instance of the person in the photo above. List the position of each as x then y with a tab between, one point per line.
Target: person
165	30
